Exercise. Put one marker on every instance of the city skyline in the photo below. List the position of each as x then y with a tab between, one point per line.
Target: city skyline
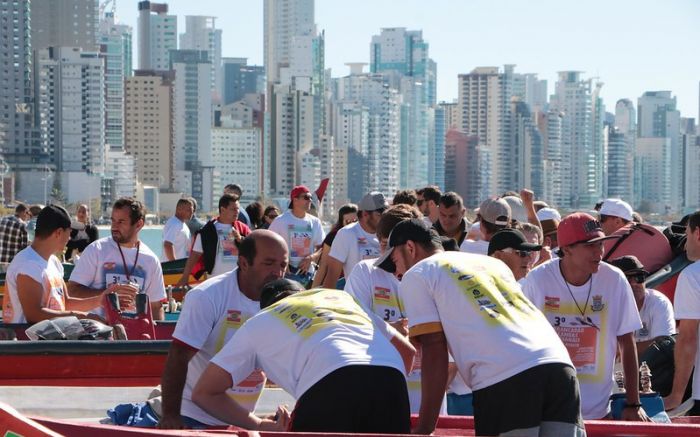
629	37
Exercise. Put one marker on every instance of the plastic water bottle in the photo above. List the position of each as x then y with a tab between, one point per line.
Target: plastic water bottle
645	377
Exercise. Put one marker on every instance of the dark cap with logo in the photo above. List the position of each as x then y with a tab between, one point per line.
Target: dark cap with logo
629	264
415	230
511	238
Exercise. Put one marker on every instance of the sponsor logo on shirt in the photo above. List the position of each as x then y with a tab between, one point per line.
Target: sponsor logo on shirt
382	293
109	265
361	240
551	302
234	316
597	304
644	331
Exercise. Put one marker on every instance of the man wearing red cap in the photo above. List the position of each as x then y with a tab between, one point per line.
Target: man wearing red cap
592	308
302	232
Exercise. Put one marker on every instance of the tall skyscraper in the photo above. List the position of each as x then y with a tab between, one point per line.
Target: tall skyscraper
581	137
65	23
462	166
527	148
19	145
402	56
658	118
690	142
557	177
157	32
192	156
201	34
115	48
484	108
240	79
148	126
621	162
283	21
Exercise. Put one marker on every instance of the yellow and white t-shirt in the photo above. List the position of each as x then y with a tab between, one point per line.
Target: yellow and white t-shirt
609	310
304	337
47	272
217	303
378	291
492	330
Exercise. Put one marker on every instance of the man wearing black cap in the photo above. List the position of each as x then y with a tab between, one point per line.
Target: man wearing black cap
345	366
655	309
502	345
511	247
36	290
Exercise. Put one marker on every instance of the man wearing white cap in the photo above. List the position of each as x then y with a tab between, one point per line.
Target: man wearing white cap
495	215
615	214
356	241
549	220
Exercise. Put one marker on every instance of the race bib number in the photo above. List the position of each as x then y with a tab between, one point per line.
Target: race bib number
386	305
227	247
121	278
580	337
300	241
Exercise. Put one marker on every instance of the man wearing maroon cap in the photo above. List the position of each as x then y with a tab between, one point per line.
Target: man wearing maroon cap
302	232
592	308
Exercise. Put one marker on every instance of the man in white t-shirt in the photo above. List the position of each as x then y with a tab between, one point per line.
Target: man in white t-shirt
211	314
35	287
495	215
357	241
120	263
655	309
502	345
687	308
345	366
302	232
590	305
216	244
176	234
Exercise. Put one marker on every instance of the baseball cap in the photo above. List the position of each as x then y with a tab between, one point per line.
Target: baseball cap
511	238
548	214
298	191
408	230
495	211
517	210
580	227
549	226
372	202
629	264
617	208
52	217
277	290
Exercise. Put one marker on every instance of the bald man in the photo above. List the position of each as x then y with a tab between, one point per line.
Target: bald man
212	314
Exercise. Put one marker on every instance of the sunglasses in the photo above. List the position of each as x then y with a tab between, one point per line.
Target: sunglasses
271	216
521	253
639	278
305	197
419	202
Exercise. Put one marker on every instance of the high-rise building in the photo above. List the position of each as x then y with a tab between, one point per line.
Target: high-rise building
690	142
201	34
484	110
20	148
658	118
283	21
557	178
115	48
240	79
446	118
148	126
192	155
621	162
70	107
581	137
236	148
157	33
654	157
65	23
527	148
461	166
531	90
402	56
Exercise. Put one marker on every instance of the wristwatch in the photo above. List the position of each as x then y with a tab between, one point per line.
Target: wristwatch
633	405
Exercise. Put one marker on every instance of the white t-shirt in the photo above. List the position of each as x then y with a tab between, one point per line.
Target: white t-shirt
657	317
302	235
226	249
478	247
211	314
305	337
176	232
352	245
48	273
609	311
492	330
101	264
687	307
378	291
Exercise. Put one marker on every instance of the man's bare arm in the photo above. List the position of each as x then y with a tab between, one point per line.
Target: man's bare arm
173	383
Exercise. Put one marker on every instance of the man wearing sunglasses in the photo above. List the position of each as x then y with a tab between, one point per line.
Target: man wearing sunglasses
655	309
511	247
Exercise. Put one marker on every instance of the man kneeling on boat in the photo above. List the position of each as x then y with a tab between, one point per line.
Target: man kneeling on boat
212	313
35	276
345	366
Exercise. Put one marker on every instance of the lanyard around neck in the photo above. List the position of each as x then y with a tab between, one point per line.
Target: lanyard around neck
136	260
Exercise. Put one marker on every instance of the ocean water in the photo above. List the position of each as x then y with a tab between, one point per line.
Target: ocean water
151	236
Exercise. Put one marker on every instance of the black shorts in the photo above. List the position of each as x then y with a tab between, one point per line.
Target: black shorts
543	400
355	399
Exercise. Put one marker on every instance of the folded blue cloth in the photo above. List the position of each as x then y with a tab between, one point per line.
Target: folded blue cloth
136	414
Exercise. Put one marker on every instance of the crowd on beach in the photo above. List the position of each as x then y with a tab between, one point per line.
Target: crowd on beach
525	319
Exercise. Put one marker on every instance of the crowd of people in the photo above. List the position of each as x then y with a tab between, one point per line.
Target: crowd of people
520	317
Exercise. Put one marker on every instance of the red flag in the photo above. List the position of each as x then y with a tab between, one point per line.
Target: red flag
321	190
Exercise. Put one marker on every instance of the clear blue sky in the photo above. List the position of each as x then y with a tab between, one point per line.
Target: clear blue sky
632	45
